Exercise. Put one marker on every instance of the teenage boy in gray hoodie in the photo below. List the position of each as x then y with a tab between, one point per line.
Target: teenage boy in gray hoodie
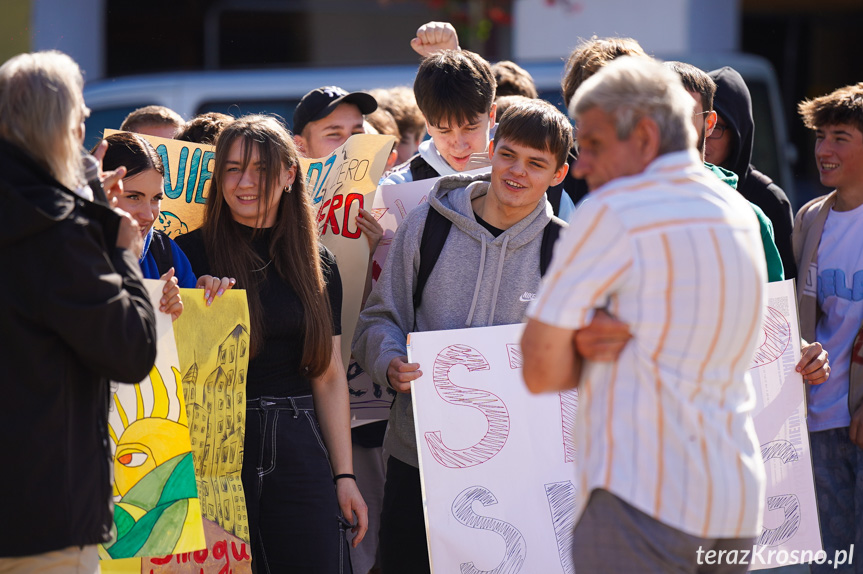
487	273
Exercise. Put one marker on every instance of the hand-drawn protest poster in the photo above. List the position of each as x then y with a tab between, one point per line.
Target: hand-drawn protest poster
495	461
790	525
156	506
224	553
213	344
472	415
340	185
188	172
393	203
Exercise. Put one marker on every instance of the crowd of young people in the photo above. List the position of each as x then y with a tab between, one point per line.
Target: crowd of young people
84	239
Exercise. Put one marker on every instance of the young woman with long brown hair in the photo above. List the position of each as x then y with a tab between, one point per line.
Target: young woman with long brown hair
259	228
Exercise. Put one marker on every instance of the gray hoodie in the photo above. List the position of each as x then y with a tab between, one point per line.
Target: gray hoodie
478	281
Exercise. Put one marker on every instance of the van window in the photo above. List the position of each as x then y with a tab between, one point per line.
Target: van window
104	118
283	108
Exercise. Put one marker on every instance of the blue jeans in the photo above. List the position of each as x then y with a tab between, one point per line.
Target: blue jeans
838	467
294	518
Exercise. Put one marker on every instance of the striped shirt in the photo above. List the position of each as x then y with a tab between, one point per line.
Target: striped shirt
677	255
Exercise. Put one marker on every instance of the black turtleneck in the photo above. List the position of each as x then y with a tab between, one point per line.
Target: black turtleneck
275	369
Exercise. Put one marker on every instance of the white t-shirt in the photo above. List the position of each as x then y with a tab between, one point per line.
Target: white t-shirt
840	298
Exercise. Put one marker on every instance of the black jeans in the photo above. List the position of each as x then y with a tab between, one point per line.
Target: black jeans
403	532
294	518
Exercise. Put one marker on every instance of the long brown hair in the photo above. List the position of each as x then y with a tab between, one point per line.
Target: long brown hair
293	246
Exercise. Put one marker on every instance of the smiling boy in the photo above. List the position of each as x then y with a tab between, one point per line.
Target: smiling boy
827	239
455	92
498	224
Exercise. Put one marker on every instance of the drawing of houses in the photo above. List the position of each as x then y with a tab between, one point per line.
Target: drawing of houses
216	412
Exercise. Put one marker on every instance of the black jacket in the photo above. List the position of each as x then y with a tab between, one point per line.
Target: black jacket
74	313
734	104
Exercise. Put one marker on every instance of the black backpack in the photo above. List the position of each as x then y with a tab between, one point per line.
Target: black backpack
434	236
420	168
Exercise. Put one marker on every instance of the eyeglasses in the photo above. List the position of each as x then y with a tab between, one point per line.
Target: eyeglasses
718	132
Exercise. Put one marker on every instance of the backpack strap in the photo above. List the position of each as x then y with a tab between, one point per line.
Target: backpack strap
160	247
421	169
434	236
546	247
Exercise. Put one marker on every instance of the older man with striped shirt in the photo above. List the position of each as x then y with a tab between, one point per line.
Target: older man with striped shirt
667	457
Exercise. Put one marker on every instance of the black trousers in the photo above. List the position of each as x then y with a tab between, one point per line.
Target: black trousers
294	518
403	545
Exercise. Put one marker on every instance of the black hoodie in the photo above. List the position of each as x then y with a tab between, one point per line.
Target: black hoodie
74	312
734	104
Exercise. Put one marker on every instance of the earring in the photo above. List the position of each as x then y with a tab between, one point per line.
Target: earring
287	189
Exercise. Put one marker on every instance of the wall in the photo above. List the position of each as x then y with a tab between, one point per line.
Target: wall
546	30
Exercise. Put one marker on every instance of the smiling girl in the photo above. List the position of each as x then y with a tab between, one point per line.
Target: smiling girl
259	227
141	197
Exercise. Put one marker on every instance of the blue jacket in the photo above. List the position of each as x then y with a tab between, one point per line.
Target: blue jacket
182	267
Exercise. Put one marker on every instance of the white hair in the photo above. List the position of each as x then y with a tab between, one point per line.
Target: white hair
630	89
41	110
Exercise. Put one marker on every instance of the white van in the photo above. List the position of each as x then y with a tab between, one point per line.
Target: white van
238	92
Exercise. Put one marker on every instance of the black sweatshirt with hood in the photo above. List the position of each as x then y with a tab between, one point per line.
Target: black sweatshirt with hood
74	313
734	104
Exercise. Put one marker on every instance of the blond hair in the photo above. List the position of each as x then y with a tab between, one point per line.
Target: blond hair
591	55
41	111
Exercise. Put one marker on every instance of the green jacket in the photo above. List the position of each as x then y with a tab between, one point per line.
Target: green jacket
775	271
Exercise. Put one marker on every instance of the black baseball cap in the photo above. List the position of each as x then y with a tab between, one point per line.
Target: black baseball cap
321	102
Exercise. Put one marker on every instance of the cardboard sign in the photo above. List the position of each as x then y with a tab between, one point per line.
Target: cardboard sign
495	461
188	173
340	185
790	524
213	345
224	553
392	203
